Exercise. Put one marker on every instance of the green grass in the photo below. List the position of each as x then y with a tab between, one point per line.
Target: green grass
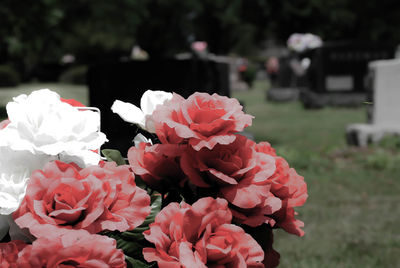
351	216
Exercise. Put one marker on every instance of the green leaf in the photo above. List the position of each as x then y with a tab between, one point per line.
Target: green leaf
114	155
136	263
155	208
131	248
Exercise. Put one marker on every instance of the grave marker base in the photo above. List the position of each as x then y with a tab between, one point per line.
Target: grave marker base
283	94
314	100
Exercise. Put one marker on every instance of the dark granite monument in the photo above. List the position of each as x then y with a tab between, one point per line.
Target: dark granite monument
338	74
127	81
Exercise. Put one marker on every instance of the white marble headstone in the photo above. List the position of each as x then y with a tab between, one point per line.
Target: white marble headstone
386	100
386	104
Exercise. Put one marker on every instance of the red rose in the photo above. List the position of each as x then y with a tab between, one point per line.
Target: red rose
200	236
236	172
9	253
62	197
72	249
202	120
157	165
289	187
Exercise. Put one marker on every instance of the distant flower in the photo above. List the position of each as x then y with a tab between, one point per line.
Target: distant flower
73	249
202	120
200	235
62	197
67	59
302	42
141	116
199	46
43	124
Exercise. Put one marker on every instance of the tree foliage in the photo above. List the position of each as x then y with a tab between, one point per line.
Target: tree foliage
43	30
370	21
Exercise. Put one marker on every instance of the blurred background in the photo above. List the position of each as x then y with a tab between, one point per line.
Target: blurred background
322	79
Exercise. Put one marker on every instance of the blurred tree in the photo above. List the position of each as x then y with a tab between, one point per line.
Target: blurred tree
227	26
29	33
34	32
167	26
102	28
369	21
232	26
41	31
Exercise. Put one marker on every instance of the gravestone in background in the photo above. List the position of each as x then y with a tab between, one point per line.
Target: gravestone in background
338	73
385	116
127	81
285	78
292	77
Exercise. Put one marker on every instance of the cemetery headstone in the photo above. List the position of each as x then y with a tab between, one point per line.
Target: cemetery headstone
384	119
283	88
338	73
292	77
127	81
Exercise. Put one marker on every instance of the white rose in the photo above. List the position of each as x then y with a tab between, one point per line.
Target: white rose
296	42
15	170
139	138
42	124
142	116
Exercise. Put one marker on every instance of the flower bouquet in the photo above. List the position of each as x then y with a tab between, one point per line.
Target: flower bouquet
192	192
302	42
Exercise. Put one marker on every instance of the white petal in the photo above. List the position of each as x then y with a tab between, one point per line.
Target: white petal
83	158
42	123
128	112
15	170
139	138
150	99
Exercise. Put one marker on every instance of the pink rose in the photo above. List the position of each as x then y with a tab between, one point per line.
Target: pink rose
235	172
9	253
72	249
157	165
289	187
202	120
62	197
200	236
286	186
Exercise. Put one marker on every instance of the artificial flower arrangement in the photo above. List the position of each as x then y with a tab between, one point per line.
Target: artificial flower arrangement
193	192
300	42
